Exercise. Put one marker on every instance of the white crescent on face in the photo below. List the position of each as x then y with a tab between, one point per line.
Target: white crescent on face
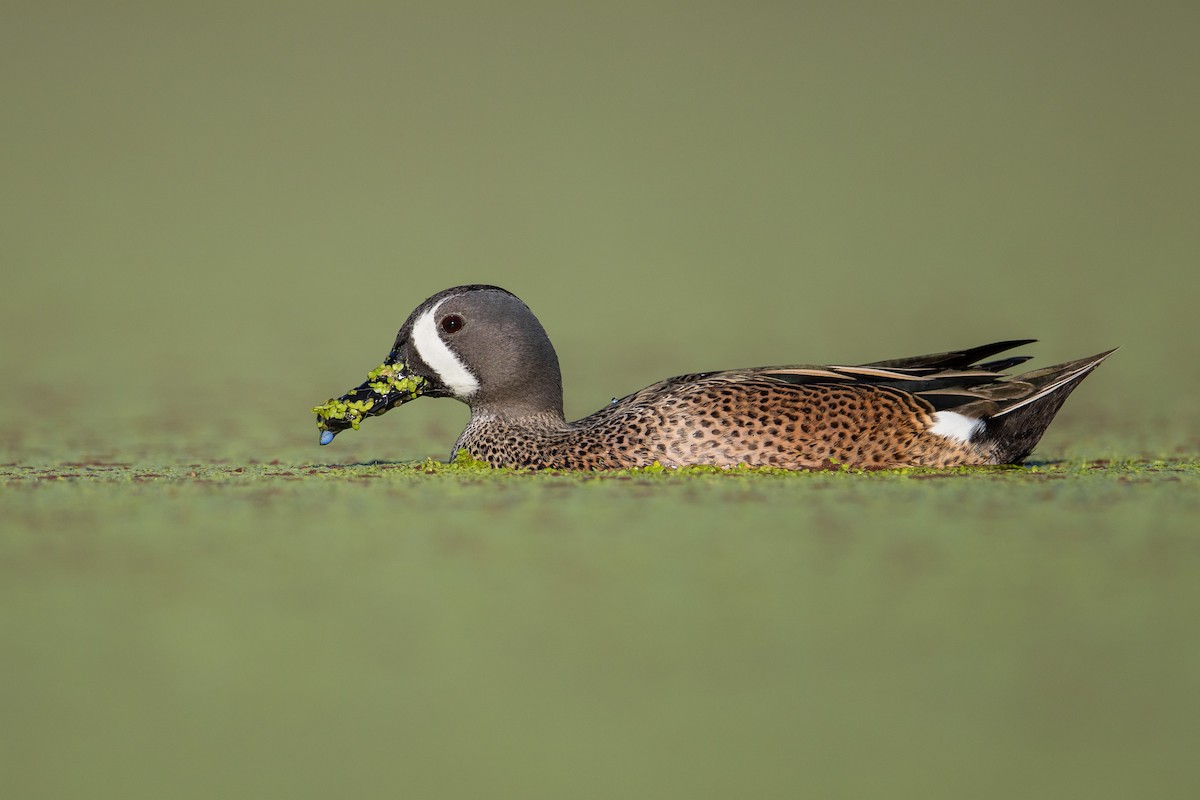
449	368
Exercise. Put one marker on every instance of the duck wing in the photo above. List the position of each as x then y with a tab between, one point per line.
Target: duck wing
961	359
957	380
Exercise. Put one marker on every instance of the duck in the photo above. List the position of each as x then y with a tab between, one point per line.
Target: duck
481	345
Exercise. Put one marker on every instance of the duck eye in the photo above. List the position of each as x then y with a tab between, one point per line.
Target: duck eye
452	323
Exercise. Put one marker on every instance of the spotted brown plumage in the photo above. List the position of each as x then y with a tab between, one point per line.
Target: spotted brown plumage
483	346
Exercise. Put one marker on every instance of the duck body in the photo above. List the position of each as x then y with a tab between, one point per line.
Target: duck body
483	346
727	419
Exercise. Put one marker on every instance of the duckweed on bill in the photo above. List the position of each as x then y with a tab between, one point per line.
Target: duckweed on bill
384	380
351	411
390	378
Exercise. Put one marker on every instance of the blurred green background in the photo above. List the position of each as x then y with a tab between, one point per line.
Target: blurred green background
216	215
195	195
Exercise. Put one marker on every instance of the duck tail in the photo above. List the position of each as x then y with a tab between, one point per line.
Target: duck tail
1017	426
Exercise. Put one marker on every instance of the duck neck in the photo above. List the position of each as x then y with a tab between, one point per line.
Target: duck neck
536	397
545	417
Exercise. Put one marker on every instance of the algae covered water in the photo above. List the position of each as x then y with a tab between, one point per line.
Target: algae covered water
731	631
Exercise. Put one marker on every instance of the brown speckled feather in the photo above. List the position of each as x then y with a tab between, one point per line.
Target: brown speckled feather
729	419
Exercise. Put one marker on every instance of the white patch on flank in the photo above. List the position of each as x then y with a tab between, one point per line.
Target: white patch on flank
450	369
958	427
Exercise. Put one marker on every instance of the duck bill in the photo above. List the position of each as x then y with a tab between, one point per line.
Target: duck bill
389	385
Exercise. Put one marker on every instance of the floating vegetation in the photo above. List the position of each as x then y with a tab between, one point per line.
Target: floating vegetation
388	385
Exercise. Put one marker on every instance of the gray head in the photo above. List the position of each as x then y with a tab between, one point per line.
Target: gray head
483	346
478	344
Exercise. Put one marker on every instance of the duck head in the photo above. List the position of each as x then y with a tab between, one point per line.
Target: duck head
478	344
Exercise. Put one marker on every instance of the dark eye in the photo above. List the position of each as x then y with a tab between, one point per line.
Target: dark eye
452	323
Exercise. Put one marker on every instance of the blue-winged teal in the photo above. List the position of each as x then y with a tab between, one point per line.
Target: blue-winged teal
483	346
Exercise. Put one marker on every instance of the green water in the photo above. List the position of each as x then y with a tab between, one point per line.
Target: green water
215	218
281	630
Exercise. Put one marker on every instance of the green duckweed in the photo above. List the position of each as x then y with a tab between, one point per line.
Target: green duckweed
394	378
383	380
352	411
